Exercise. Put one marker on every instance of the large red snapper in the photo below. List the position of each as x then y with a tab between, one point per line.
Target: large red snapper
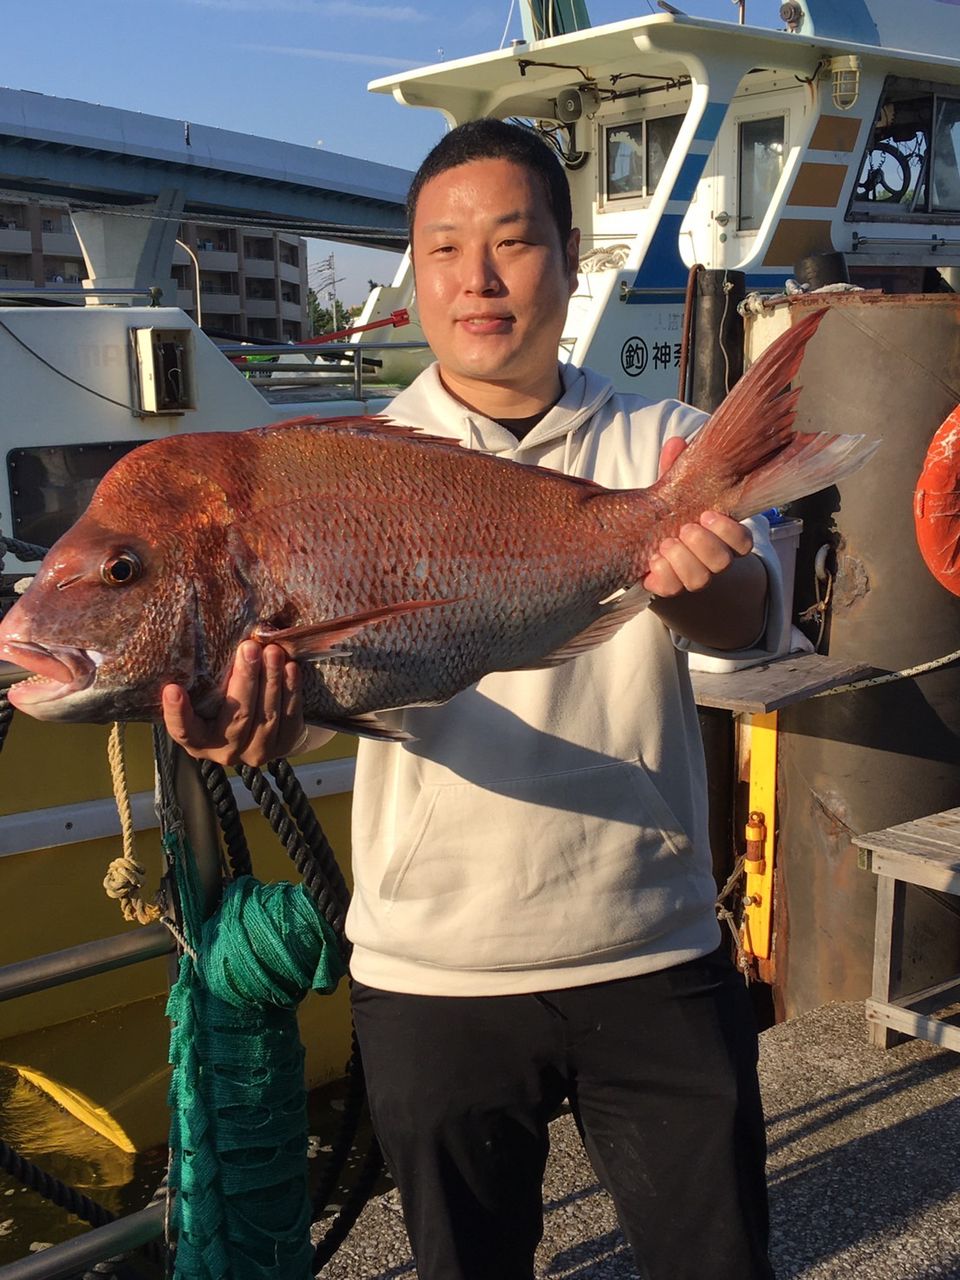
397	568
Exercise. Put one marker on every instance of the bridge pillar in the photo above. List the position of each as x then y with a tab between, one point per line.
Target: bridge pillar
130	249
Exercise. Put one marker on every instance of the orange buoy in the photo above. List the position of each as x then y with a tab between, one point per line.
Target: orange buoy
936	505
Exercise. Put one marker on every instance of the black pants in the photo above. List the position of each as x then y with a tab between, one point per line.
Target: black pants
660	1072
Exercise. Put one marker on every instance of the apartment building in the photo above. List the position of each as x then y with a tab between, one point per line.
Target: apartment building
253	284
250	284
37	246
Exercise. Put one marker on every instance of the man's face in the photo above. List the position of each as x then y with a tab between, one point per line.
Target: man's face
493	280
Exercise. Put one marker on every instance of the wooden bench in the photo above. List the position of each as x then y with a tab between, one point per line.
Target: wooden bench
923	852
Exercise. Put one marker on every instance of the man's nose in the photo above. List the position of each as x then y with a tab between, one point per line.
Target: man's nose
479	273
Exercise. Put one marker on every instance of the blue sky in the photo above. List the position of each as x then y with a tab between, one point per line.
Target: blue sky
295	70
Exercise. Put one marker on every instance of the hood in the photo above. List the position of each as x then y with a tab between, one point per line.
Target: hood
428	405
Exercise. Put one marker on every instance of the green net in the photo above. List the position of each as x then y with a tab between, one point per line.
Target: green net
238	1132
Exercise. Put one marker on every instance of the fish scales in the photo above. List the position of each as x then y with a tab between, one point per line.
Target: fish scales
504	545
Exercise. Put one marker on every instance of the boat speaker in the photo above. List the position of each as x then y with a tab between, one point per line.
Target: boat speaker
573	103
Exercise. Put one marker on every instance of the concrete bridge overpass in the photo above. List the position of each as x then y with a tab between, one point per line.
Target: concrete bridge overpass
108	163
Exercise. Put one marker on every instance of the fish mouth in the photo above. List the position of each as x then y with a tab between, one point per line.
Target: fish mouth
59	670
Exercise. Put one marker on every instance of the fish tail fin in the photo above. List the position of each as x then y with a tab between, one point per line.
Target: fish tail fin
748	457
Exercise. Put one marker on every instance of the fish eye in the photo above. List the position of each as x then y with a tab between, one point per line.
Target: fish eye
118	571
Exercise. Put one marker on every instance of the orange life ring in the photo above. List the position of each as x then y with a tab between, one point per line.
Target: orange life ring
936	505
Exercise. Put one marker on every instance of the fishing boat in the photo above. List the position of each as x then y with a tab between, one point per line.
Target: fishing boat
716	169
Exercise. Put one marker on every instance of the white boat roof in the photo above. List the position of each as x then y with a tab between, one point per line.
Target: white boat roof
670	45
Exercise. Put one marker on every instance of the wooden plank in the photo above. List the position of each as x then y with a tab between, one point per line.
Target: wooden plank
923	851
914	1024
943	852
917	870
756	690
931	999
887	953
943	827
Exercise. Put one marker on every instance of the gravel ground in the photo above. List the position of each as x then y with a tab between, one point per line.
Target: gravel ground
864	1170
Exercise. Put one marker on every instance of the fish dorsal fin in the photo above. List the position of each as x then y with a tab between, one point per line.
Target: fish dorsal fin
612	617
368	425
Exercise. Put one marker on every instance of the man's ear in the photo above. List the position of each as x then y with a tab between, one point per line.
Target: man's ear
573	258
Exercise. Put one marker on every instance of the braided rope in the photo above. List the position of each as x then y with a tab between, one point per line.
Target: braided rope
24	551
218	788
321	851
289	835
934	665
52	1188
65	1197
6	715
124	878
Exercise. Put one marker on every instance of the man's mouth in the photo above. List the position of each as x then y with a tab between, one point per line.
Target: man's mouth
58	670
484	324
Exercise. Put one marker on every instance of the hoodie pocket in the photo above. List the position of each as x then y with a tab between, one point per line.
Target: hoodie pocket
537	870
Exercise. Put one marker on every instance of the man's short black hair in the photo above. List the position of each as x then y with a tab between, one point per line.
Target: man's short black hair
490	139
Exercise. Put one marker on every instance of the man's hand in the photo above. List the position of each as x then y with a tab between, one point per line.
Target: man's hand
261	717
692	599
691	560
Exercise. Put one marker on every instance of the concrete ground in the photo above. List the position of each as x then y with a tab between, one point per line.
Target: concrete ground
864	1170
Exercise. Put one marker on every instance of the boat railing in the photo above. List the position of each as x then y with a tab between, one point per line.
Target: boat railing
309	365
57	968
74	1256
102	955
80	292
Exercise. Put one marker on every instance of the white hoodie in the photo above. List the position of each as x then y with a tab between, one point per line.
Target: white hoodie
544	829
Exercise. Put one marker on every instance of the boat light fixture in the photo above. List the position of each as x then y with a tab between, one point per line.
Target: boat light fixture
845	78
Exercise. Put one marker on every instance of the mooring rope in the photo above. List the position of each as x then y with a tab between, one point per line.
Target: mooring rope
217	784
907	674
332	906
63	1196
24	551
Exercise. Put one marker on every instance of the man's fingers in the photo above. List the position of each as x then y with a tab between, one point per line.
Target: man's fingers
661	579
265	711
261	717
670	452
179	719
701	551
242	694
736	535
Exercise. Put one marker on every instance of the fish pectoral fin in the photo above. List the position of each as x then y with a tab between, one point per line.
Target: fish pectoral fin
612	617
320	639
367	725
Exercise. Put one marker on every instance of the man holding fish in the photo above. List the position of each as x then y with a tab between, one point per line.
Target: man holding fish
533	918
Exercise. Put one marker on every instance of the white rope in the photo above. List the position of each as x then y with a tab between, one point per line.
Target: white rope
907	674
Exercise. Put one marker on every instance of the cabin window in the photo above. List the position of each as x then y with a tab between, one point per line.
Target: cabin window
946	156
51	485
761	150
911	167
637	155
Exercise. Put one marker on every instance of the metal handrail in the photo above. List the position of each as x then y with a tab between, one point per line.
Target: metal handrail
357	351
76	291
73	1256
103	955
281	348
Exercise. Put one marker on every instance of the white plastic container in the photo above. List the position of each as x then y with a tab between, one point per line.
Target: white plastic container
785	539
